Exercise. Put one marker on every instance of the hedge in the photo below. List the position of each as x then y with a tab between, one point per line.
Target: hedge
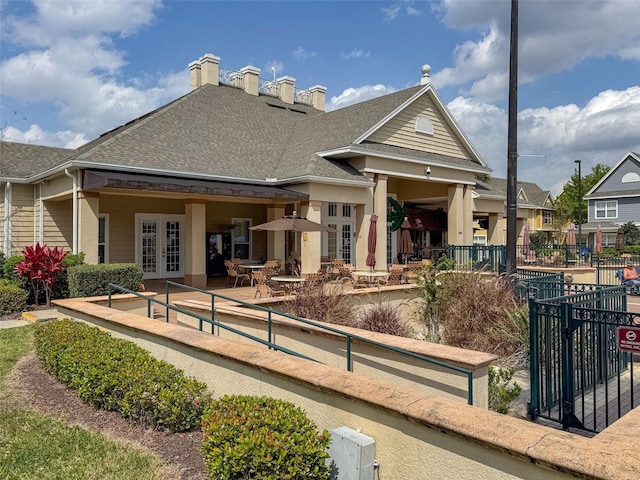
117	375
93	280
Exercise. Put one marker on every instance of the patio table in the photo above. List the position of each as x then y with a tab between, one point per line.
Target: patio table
371	277
290	282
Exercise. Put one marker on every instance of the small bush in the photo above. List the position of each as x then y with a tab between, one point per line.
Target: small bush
262	438
384	318
503	391
93	280
10	272
13	298
329	304
117	375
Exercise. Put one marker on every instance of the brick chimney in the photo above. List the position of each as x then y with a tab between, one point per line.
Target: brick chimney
318	97
287	89
204	71
251	76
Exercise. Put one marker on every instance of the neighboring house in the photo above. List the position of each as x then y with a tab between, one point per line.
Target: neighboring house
535	208
238	151
614	200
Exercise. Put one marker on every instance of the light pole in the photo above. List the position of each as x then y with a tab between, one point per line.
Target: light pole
579	162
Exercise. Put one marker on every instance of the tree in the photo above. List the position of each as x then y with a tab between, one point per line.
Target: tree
568	205
41	266
631	234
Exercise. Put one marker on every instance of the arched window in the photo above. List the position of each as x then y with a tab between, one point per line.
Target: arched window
631	177
424	125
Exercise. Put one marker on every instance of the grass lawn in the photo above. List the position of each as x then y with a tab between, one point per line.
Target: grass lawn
33	446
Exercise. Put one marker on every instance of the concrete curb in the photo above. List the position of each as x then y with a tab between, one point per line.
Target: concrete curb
36	316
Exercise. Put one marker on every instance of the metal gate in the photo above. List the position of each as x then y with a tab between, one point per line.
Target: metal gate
579	377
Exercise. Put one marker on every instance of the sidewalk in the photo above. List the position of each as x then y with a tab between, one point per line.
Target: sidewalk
33	316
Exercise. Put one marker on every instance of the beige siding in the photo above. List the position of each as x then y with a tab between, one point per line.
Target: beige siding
22	211
400	131
58	224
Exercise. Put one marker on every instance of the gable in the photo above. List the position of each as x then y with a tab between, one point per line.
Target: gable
625	177
400	131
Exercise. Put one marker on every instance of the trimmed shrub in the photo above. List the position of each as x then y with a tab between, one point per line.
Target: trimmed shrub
384	318
61	285
262	438
93	280
10	272
12	297
117	375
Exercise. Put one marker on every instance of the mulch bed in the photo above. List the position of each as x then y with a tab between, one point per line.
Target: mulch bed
35	389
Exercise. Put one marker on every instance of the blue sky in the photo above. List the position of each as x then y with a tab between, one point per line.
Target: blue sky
75	69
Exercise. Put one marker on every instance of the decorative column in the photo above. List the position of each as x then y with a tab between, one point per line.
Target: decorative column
455	214
467	211
380	208
195	266
311	244
495	234
88	210
275	240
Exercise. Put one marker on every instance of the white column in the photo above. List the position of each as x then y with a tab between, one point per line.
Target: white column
380	209
455	215
88	211
310	245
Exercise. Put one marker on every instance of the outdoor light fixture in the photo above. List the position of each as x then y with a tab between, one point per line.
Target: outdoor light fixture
427	170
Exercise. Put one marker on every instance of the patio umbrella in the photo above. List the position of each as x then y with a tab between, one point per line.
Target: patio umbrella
292	223
526	240
371	242
598	246
406	244
571	238
620	239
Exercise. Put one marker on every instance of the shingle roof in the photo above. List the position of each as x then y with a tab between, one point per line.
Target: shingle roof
534	193
223	131
21	160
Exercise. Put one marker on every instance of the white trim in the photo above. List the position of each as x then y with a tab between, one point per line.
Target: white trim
606	209
160	243
249	240
41	219
404	158
442	109
610	172
612	197
8	198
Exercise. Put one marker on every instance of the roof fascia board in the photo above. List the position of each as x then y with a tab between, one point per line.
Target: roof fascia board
443	110
404	158
614	197
610	172
418	177
140	170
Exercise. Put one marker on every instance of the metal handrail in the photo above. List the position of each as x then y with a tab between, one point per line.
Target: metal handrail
349	337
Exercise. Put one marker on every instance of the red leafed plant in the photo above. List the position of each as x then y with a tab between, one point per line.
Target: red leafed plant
41	266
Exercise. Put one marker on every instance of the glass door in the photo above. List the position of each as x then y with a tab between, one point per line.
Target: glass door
159	245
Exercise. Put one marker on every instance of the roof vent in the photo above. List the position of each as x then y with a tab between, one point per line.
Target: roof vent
424	125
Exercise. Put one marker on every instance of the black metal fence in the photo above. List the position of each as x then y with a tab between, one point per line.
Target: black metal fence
579	376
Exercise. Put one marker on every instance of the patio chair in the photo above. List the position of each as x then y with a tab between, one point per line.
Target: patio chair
263	286
396	275
232	273
314	279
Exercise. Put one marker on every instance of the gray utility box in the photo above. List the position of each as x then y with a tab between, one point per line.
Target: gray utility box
351	455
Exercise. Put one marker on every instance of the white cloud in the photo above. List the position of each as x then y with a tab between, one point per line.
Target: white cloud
35	135
553	37
600	132
360	94
301	54
392	12
355	53
68	59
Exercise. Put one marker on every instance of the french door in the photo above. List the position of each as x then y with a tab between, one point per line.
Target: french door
159	245
339	243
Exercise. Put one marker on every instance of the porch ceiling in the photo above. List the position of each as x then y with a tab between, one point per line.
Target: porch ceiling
93	180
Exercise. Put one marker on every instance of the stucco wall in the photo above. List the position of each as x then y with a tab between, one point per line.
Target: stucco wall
417	436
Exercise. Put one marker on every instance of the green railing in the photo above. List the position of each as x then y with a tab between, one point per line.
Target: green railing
349	337
573	354
490	258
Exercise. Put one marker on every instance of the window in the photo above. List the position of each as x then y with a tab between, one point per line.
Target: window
241	238
103	238
424	125
608	239
332	210
547	217
606	209
346	210
479	239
